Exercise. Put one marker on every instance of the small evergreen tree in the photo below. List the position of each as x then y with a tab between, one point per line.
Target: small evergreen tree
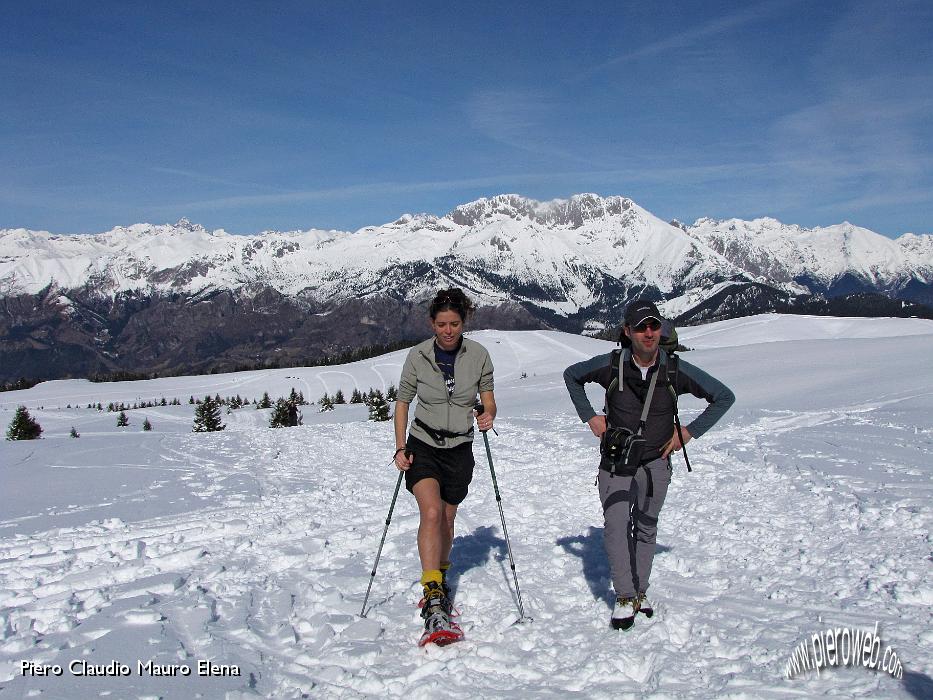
122	420
23	426
378	407
391	393
163	402
279	417
147	425
357	397
327	404
266	401
191	400
74	433
338	397
207	417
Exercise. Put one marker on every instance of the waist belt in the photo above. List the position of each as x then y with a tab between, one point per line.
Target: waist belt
632	471
439	435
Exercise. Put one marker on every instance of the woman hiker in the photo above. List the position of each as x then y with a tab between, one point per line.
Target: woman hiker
445	372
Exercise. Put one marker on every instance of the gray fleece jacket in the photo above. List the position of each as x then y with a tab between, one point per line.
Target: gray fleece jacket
422	377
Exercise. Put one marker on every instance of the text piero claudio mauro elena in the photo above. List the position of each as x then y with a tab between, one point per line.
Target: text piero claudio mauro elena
117	669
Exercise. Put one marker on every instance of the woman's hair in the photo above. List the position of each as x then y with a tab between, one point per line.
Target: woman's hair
452	299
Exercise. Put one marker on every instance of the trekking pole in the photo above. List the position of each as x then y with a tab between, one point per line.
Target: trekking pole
680	435
372	576
495	485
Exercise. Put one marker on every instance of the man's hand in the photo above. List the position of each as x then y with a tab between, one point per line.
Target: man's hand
674	443
597	425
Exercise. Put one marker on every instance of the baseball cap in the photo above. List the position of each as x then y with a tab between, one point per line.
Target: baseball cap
640	311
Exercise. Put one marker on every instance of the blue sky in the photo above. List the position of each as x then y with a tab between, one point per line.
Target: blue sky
293	115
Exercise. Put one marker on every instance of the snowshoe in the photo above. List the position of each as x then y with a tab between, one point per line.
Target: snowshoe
623	614
644	606
438	629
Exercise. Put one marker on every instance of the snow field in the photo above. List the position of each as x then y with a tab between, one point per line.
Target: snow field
808	508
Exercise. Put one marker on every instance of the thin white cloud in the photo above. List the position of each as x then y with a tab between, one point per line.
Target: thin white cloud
210	179
863	143
505	182
518	119
881	200
692	36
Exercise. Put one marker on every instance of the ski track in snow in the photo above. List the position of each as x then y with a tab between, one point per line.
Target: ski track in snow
779	532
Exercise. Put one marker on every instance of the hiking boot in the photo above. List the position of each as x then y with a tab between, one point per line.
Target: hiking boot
435	599
435	618
438	629
644	605
623	614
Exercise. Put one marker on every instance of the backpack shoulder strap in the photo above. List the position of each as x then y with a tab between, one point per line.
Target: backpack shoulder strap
614	360
673	367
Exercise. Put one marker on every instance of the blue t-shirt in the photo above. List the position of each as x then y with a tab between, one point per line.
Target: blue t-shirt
445	360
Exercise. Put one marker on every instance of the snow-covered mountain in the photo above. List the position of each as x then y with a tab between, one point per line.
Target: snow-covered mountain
820	259
569	264
560	255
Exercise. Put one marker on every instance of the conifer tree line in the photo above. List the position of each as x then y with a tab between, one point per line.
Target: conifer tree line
207	410
113	407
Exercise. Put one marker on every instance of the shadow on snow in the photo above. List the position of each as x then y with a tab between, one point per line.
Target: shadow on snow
473	551
592	553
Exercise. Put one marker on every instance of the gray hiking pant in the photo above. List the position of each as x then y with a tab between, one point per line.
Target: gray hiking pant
631	523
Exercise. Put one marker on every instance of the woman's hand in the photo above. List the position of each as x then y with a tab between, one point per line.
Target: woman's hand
485	411
403	459
484	421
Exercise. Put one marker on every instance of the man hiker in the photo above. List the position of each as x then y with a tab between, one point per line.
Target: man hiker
637	436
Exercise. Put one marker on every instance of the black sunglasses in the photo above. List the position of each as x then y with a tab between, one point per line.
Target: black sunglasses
642	327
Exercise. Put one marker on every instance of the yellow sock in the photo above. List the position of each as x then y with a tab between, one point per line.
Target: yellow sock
445	566
429	575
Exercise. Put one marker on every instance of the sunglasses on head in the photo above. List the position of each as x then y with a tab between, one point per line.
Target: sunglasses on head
642	327
448	298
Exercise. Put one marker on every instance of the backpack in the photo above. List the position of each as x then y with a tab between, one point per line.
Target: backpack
670	345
